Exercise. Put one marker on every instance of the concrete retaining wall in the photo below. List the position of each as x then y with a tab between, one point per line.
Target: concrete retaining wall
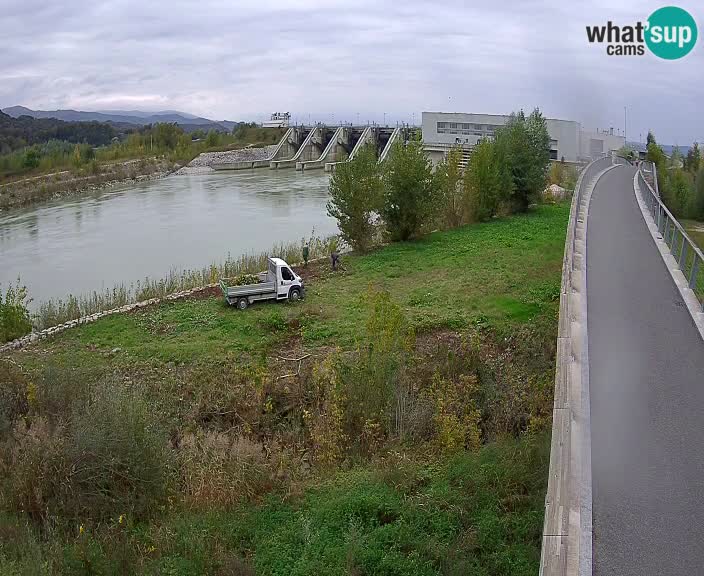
567	531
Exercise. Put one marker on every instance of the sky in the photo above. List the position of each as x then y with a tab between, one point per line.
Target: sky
342	60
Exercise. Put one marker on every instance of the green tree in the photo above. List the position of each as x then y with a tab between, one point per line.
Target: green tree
693	159
409	191
212	139
524	144
487	180
31	159
164	135
355	197
448	183
698	202
678	192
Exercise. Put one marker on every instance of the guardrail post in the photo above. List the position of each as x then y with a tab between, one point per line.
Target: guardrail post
666	232
673	245
693	275
683	255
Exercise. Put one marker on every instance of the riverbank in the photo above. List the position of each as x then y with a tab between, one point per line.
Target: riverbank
27	191
396	420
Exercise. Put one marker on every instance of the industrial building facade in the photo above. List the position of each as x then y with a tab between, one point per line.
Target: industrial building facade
568	141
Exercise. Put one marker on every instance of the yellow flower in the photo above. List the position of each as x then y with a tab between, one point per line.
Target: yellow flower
80	529
121	519
151	549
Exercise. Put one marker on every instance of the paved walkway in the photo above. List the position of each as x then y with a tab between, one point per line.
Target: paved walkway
646	365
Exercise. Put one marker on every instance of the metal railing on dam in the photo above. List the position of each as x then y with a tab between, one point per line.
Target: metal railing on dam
687	255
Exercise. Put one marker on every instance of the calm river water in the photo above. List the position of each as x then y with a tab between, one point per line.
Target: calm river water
123	234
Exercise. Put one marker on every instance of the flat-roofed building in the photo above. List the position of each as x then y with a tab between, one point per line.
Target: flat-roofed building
443	130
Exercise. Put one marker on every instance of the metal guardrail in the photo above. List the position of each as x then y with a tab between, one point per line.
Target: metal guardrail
687	254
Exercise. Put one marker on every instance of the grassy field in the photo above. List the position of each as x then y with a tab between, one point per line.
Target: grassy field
495	275
695	230
395	422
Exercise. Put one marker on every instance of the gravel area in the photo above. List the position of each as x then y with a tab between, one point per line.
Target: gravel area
245	155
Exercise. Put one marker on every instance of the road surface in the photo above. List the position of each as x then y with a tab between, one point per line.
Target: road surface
646	376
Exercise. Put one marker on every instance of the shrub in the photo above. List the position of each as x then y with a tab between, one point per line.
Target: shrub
374	381
14	314
96	454
355	196
221	469
325	415
408	205
456	416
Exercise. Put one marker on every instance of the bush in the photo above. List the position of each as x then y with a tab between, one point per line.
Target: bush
355	196
374	383
410	197
87	452
14	314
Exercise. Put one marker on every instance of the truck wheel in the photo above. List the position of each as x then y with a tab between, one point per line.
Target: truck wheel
242	303
294	295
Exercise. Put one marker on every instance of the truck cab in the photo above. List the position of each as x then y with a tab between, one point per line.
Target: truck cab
289	285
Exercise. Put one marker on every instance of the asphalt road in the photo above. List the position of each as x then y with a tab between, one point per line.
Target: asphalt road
646	378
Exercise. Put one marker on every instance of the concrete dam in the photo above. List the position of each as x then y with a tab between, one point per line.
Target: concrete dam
322	147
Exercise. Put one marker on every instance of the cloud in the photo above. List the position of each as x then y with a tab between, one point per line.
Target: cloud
245	59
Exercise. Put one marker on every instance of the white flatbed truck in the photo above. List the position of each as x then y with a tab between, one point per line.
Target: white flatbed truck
279	282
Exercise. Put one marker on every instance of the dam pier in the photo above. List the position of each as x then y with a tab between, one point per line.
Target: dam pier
320	147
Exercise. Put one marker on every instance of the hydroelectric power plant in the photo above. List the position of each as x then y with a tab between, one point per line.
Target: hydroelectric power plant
322	147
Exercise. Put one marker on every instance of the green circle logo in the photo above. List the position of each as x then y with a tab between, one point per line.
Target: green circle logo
670	33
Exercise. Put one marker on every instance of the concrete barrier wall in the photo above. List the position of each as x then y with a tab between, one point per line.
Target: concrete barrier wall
567	529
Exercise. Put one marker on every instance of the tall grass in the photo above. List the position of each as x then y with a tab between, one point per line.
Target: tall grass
59	310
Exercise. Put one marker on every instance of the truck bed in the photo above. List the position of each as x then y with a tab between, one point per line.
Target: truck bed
258	289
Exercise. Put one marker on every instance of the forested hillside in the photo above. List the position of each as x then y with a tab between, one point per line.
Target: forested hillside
16	133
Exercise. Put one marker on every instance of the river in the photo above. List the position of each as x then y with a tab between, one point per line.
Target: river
124	233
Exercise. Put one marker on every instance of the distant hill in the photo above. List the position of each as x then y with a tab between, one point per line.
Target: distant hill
135	117
16	133
666	148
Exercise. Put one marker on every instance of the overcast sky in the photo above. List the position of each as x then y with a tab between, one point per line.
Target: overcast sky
242	59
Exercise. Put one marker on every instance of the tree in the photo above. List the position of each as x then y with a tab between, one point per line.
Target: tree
448	183
693	159
524	144
409	191
355	197
213	139
487	180
650	139
31	159
698	202
677	193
